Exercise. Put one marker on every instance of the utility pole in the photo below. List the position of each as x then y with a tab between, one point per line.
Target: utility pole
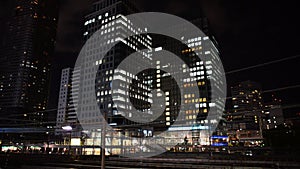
103	134
69	130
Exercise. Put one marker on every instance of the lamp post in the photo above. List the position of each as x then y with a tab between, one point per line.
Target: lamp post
103	134
48	142
68	129
210	142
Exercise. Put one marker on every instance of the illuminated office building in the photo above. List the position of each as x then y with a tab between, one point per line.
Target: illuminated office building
25	63
109	17
195	119
245	120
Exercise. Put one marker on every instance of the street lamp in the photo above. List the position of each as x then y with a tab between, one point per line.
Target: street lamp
103	134
68	129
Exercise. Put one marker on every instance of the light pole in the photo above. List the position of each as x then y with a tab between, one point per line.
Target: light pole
210	142
103	134
48	141
68	129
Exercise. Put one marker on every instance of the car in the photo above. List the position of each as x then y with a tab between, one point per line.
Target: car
248	153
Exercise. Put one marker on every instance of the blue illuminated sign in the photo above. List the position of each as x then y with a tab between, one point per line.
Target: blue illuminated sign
219	137
219	144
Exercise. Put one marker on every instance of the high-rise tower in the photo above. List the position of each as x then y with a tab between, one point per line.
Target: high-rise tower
25	63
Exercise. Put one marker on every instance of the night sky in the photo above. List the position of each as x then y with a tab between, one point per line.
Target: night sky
249	33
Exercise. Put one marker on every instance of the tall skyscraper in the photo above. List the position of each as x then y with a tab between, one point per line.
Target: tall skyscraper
109	17
25	63
203	71
106	11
